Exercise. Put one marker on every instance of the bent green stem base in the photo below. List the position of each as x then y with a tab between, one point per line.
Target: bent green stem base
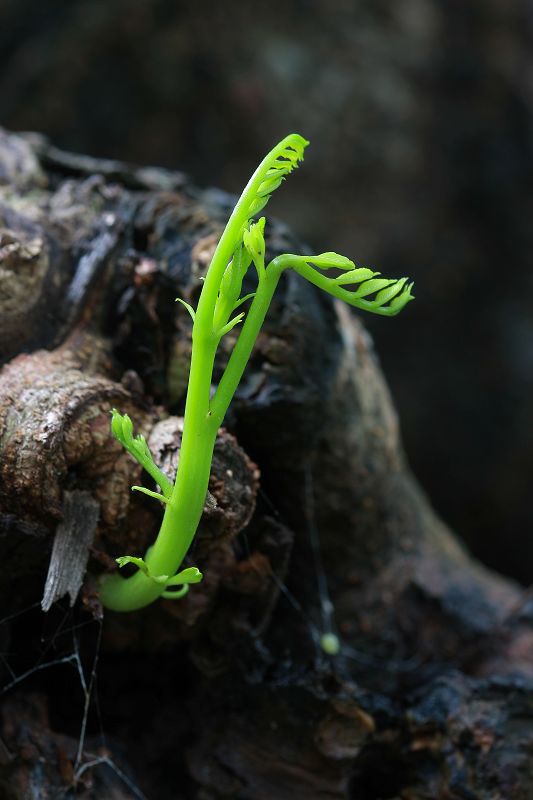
202	420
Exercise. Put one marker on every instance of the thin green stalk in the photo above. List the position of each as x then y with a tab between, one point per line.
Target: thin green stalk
245	344
184	510
201	423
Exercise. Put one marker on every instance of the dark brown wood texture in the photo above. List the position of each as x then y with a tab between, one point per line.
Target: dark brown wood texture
317	521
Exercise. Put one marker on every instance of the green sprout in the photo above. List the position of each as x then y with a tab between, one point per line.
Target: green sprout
241	245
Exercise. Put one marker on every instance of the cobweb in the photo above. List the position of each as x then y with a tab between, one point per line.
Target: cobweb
68	631
66	636
320	621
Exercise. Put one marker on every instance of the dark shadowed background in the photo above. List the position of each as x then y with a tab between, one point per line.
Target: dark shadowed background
420	118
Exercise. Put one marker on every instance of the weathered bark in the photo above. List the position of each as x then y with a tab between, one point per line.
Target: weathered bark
228	693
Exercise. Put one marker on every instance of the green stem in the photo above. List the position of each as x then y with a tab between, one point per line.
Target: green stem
245	343
201	423
184	510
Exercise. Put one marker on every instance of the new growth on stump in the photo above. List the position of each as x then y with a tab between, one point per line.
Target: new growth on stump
241	245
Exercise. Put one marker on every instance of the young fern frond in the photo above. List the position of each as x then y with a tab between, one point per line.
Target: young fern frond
230	288
384	296
251	249
253	239
122	429
241	243
279	163
276	165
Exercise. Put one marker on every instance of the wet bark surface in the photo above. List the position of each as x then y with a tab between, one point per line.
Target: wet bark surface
419	115
318	527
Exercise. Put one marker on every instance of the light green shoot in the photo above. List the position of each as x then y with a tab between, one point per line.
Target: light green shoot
241	244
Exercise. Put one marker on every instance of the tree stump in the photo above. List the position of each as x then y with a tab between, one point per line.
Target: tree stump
319	528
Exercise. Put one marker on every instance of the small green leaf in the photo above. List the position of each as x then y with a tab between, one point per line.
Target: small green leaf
387	294
189	308
138	562
270	185
254	241
230	325
243	300
355	276
148	492
122	428
189	575
254	238
143	566
373	286
258	205
141	446
241	259
116	424
401	300
330	261
127	429
183	578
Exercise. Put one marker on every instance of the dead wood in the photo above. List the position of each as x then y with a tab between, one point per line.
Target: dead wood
318	521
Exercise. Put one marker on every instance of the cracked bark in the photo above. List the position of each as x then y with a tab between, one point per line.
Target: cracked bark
430	696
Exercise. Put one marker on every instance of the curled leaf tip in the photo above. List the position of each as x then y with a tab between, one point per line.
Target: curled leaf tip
122	561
